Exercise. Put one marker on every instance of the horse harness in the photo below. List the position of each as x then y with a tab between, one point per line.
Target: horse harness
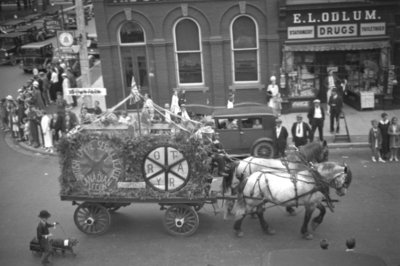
320	186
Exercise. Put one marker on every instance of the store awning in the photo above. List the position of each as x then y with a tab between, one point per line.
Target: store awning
335	46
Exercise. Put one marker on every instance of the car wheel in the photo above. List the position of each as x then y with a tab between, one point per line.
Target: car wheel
263	149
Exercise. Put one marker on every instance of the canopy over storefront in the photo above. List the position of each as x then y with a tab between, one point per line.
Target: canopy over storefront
333	45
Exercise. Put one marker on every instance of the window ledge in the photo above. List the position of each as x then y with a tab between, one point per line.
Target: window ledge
247	86
193	88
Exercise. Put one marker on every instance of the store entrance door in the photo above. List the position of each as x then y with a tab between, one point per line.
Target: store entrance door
329	60
134	64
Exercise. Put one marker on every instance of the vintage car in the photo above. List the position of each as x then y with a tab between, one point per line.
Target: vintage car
10	46
92	45
11	25
246	130
36	55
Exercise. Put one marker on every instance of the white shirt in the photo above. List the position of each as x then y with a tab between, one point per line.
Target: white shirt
278	131
317	112
299	130
274	89
331	82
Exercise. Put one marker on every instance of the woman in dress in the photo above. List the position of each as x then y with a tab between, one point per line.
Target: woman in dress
47	132
394	141
175	109
273	91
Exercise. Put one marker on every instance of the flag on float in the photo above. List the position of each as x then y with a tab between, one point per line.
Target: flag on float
134	91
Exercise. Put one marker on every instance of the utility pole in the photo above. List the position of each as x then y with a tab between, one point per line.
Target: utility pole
83	53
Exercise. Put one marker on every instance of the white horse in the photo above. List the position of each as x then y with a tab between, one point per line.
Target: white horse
307	188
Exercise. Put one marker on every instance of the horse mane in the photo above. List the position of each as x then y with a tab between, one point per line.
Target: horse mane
310	150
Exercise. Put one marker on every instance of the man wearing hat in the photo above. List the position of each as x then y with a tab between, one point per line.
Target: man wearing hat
335	105
316	116
280	138
43	235
301	132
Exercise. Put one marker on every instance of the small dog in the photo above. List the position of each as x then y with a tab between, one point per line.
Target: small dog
59	244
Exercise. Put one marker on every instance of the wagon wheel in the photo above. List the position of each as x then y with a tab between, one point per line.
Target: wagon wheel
181	220
92	218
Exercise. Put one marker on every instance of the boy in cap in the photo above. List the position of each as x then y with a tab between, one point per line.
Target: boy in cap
43	235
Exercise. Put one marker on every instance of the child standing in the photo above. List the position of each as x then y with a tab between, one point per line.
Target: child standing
15	124
375	141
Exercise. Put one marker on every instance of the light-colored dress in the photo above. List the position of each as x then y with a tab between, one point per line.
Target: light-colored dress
175	109
274	90
394	133
47	134
66	84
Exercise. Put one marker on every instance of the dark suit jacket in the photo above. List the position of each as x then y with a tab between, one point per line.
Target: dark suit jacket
335	104
281	140
310	114
306	130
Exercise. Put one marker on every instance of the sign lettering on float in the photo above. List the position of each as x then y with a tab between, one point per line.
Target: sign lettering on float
86	91
166	169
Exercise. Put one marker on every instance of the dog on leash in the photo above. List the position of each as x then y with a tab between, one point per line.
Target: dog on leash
63	245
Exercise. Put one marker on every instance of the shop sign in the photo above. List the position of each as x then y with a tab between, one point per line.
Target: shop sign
337	30
336	23
372	29
302	32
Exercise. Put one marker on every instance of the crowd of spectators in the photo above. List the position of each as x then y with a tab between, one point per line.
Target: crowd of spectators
26	115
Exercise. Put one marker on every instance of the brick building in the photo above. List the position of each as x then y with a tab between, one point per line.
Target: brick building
207	48
211	48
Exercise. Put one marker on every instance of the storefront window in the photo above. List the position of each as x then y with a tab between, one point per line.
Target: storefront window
244	49
131	33
188	52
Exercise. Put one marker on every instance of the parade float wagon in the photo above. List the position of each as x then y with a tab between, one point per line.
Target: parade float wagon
105	169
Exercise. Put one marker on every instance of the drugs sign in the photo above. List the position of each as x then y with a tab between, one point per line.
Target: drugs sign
166	169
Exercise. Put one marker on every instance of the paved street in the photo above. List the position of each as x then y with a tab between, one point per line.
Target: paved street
29	183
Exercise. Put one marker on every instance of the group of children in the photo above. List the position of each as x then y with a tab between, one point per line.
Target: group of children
384	139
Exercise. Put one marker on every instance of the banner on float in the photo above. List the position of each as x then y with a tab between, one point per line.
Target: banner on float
87	91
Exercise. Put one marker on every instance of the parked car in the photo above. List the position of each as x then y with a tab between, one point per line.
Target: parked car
246	130
10	46
11	25
32	31
93	51
36	55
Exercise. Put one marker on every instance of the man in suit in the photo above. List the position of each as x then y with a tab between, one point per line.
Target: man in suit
301	132
316	116
280	138
335	104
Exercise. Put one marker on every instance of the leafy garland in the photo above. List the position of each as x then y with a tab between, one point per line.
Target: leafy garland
133	152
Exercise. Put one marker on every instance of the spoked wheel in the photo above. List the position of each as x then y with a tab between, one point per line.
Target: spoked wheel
181	220
92	218
263	149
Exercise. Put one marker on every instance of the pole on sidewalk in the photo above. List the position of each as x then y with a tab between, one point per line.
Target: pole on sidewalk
83	52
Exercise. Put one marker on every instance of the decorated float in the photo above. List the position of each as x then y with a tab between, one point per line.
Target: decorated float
105	166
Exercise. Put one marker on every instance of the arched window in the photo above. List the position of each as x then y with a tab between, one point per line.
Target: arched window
244	44
188	52
131	33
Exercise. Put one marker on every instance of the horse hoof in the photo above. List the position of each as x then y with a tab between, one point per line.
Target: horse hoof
314	226
308	236
239	234
270	232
